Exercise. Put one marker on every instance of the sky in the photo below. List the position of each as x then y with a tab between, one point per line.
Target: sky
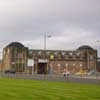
71	23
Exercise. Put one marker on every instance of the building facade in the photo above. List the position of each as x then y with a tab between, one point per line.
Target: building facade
59	61
98	64
15	57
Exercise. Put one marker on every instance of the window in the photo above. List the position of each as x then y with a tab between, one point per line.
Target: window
51	56
59	65
81	65
8	51
31	52
91	57
70	53
39	52
78	54
63	53
66	65
66	56
48	53
74	64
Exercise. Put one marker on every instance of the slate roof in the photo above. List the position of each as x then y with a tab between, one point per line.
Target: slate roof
15	44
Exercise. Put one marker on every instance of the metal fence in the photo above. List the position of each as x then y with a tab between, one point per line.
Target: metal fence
71	78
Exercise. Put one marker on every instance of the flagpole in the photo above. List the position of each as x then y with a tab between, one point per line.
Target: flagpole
45	41
46	35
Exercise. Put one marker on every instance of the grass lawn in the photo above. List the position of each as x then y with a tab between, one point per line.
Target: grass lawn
11	89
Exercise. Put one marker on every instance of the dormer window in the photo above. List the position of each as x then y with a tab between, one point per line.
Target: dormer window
48	53
66	56
63	53
56	53
70	53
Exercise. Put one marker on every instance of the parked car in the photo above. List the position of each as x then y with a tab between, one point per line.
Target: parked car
10	72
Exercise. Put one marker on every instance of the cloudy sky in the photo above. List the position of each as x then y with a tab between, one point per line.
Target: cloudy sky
71	23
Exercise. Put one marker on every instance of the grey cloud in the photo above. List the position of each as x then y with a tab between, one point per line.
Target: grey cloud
68	20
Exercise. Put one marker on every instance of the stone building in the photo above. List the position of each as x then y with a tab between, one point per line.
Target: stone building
59	61
98	64
15	57
1	65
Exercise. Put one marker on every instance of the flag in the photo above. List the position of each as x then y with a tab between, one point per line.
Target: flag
49	36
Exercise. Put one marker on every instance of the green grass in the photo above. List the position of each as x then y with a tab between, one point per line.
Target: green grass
11	89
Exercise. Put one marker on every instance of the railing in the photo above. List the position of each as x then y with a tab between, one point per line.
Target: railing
71	78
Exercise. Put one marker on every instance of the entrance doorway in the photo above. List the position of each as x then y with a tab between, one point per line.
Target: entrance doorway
42	68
